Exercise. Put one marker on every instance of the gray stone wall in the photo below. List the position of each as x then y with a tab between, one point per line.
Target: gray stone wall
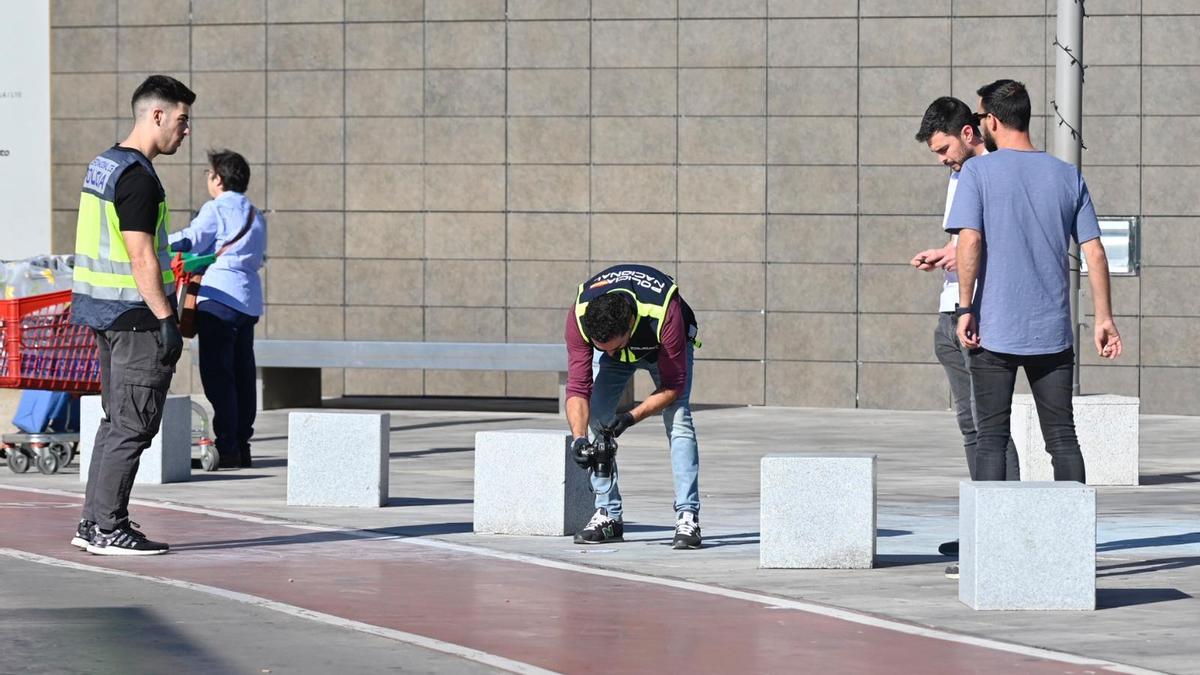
450	170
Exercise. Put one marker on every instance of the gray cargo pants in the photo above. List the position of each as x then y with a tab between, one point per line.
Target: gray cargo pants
133	389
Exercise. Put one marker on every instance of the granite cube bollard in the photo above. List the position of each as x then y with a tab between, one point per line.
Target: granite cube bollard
169	457
338	459
1107	428
817	511
1027	545
526	483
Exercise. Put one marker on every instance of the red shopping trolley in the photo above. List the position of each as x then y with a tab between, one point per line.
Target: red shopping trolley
40	349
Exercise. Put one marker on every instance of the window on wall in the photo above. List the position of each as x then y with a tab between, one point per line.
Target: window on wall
1119	234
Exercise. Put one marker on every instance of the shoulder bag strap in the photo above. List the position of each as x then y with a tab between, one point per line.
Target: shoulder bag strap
241	233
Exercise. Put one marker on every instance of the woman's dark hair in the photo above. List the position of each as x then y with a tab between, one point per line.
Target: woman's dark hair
1007	101
947	115
608	317
232	168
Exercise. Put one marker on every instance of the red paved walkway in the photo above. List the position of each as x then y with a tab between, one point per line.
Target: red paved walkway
556	619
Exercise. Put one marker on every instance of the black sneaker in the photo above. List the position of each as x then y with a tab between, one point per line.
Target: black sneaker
83	534
687	531
949	548
125	540
601	529
952	571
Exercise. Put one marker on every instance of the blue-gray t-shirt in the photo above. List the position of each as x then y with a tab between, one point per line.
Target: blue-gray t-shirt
1028	206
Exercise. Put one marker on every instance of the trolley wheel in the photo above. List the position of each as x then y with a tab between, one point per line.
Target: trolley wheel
210	458
18	461
64	451
47	460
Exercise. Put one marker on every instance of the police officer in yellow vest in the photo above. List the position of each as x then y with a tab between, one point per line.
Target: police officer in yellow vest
625	318
123	291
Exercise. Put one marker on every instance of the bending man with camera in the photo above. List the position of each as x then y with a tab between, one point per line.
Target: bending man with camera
625	318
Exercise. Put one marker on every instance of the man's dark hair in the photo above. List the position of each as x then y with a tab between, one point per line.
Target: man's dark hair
608	317
164	88
1008	101
232	168
947	115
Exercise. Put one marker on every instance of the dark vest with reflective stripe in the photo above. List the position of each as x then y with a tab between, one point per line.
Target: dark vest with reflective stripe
650	291
104	287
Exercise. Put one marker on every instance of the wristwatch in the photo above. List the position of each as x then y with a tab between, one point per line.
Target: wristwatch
961	311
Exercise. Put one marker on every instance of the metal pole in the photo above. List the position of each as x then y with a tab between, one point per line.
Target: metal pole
1068	133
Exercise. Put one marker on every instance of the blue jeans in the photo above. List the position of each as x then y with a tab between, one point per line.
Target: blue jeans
610	377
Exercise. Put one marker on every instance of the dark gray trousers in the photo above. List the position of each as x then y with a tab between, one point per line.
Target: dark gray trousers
956	362
133	389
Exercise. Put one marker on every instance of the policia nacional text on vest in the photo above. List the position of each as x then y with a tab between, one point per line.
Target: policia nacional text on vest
104	287
651	291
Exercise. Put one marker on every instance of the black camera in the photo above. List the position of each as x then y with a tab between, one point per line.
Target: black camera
599	455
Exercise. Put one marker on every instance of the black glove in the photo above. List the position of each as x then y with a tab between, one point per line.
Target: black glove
170	341
580	451
620	423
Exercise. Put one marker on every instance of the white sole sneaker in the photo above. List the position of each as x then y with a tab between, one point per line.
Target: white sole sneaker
80	542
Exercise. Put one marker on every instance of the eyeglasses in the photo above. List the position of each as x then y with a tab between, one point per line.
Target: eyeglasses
209	172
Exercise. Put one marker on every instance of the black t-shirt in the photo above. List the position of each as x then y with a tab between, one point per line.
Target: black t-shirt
136	199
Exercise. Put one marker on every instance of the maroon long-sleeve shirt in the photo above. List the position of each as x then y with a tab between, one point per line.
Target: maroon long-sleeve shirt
672	354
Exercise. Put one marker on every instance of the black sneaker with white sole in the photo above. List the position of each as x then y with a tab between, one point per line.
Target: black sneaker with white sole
83	534
124	540
601	529
952	571
687	531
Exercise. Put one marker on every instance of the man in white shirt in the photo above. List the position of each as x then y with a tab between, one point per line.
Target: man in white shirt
950	130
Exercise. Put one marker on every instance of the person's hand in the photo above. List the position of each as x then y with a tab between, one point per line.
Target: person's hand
170	341
968	331
949	261
928	259
620	423
579	451
1108	340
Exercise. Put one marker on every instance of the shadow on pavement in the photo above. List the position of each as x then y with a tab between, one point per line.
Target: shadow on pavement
327	537
1149	542
425	501
904	560
430	451
1147	566
1170	478
891	533
1111	598
98	640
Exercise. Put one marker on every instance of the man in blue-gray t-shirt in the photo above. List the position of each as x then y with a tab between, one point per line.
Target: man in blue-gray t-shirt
1015	211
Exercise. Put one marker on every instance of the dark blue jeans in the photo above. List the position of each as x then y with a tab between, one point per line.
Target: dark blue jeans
1050	375
227	372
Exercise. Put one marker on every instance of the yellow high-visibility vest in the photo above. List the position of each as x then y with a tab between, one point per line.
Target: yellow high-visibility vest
103	273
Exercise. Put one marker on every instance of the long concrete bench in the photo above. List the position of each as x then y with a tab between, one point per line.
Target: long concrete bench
291	369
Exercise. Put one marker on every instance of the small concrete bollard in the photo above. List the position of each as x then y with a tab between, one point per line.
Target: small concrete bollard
337	459
169	457
526	483
1107	428
1027	545
817	511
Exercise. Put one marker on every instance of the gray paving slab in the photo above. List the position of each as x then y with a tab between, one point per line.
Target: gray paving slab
64	621
1148	537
